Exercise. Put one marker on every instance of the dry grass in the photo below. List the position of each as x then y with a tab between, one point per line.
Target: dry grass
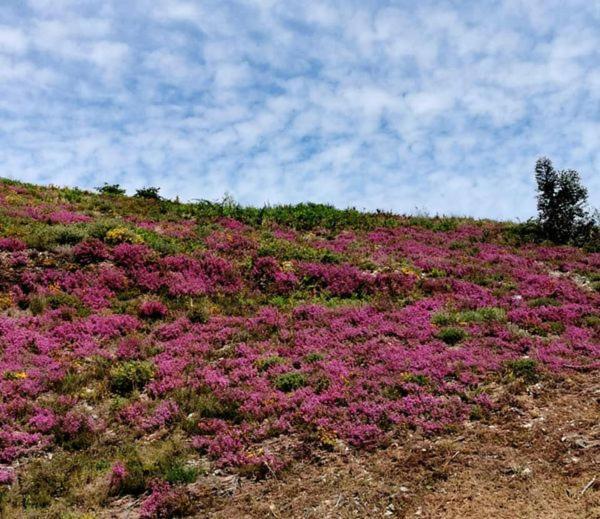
533	459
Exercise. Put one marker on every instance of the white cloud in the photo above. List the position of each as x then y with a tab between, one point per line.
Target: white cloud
110	58
12	40
430	105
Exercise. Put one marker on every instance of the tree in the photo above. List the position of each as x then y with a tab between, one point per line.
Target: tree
111	189
148	192
561	203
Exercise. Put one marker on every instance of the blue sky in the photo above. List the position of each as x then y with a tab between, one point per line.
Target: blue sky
436	106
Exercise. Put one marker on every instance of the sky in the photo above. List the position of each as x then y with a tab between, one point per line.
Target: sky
439	107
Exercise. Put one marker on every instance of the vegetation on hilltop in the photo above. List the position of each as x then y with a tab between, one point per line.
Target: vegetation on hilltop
147	345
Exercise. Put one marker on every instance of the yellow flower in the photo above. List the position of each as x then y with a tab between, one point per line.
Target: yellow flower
122	235
327	437
408	271
6	301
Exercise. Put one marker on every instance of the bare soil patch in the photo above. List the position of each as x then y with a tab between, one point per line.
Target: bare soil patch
539	456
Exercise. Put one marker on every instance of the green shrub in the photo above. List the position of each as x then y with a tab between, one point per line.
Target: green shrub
488	314
285	251
204	404
176	471
68	234
304	217
523	232
136	476
198	314
37	305
543	301
265	363
311	358
111	189
451	335
593	321
165	460
46	480
436	223
73	195
59	299
481	315
546	328
99	228
476	412
148	193
158	242
525	369
436	273
414	378
290	381
130	375
44	237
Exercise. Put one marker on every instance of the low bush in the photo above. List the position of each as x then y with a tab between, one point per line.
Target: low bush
288	382
198	313
90	251
110	189
152	310
525	369
311	358
130	375
122	235
265	363
150	193
481	315
451	335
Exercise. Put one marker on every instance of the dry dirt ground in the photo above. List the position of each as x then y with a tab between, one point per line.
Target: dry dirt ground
537	457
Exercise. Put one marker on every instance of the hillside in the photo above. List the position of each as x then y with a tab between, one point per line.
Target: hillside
161	359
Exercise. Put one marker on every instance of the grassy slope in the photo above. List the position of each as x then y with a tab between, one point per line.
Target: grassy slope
515	323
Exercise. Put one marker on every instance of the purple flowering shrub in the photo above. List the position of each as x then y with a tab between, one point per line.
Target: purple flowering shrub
152	310
235	340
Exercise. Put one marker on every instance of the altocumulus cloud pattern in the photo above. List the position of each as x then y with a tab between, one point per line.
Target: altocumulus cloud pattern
442	106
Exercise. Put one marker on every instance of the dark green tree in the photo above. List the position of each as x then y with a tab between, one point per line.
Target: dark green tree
111	189
148	192
561	202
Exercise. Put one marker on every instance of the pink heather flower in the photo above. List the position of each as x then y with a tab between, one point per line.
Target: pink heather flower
43	421
7	476
12	244
230	241
65	216
118	474
339	280
163	414
367	371
129	348
231	223
267	275
112	278
165	501
152	310
214	379
132	255
19	259
75	422
285	234
89	251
